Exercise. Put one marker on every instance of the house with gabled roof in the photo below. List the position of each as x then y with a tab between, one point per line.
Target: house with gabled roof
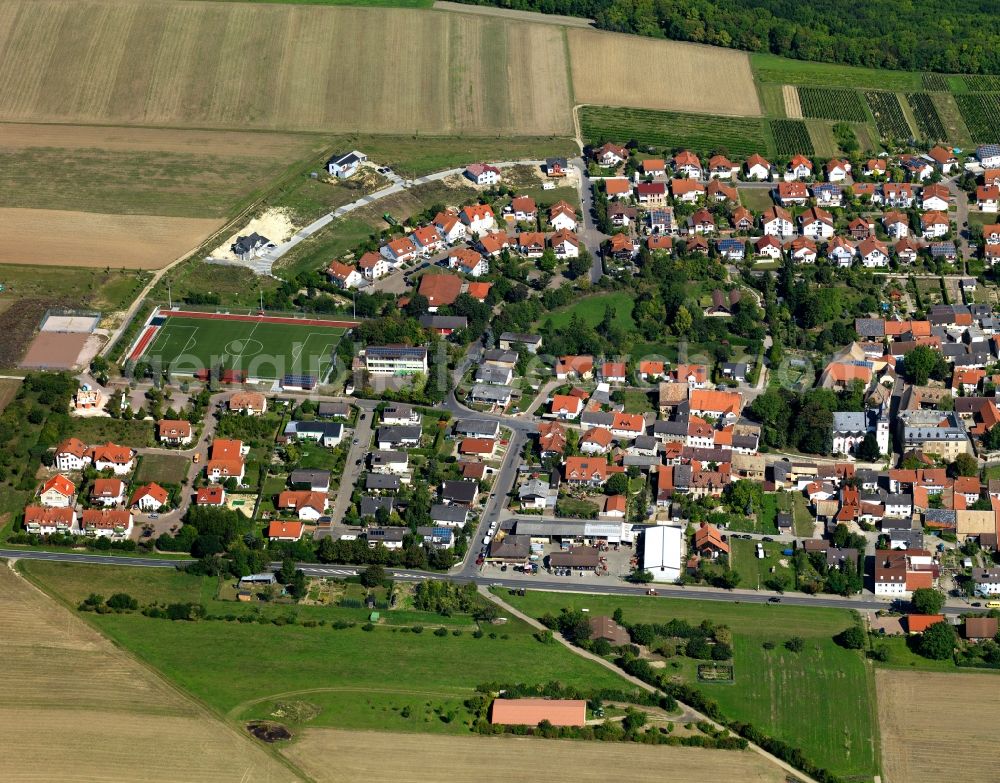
837	169
565	244
802	250
816	223
721	167
107	492
176	432
48	521
344	275
478	218
118	459
742	220
524	209
374	266
468	261
449	225
840	251
149	497
687	191
562	217
427	239
687	164
482	174
777	221
792	193
799	167
934	224
988	198
873	254
757	168
57	492
400	250
610	155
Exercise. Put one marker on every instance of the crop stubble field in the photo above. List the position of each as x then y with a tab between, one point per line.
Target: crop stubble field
115	722
926	716
330	756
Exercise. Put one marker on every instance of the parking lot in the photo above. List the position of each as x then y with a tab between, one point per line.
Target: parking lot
616	565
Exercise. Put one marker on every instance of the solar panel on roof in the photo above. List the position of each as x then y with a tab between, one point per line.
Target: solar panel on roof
300	381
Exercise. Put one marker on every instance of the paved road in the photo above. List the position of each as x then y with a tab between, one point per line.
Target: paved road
588	232
544	582
360	443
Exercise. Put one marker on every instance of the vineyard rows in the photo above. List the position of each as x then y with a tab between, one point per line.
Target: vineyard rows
826	104
926	114
791	137
889	117
981	83
981	112
738	136
936	82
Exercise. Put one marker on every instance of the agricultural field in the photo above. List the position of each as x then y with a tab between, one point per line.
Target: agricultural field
53	237
264	349
827	104
981	112
141	171
791	137
824	142
951	118
702	132
982	83
935	82
170	737
245	669
230	65
329	756
920	734
774	688
889	117
771	69
598	60
926	115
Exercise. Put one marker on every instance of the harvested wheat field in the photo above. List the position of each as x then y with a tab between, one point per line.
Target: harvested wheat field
62	238
331	756
288	67
76	708
678	76
938	726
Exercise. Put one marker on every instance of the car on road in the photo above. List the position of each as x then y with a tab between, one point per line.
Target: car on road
479	560
362	417
976	603
154	516
767	539
358	461
355	442
774	600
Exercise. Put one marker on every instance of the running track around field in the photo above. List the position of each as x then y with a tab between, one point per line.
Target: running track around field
143	344
265	319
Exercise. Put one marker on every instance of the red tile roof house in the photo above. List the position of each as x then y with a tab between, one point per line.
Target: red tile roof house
225	460
307	505
427	239
918	623
610	155
175	432
531	244
614	372
617	187
708	541
565	244
285	531
687	190
799	167
934	224
468	261
110	523
582	366
107	492
566	406
792	193
399	251
344	275
944	158
448	224
118	459
531	712
935	197
441	290
651	370
149	497
721	167
562	217
596	440
652	194
71	454
373	266
757	167
524	208
210	496
589	471
41	521
988	198
478	218
57	492
479	447
687	164
494	244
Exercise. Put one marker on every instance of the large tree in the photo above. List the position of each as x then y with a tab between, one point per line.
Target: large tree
927	600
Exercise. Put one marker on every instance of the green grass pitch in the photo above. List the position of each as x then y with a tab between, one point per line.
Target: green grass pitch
262	350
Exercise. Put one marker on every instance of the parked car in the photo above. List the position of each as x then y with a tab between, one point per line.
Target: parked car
767	539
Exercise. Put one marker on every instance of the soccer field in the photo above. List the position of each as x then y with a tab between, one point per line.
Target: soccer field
263	349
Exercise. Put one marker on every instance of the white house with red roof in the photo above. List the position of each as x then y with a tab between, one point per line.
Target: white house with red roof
483	174
45	521
799	167
565	244
934	224
450	226
478	218
120	460
610	155
897	225
285	531
57	492
71	454
777	222
687	164
944	158
214	495
816	223
988	198
524	208
107	522
614	372
107	492
935	197
562	216
400	250
873	254
721	167
468	261
344	275
837	170
427	239
757	168
373	265
149	497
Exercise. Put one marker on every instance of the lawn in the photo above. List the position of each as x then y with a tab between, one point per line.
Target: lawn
8	391
756	199
162	468
822	699
263	349
755	572
125	432
591	311
802	519
358	679
638	402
